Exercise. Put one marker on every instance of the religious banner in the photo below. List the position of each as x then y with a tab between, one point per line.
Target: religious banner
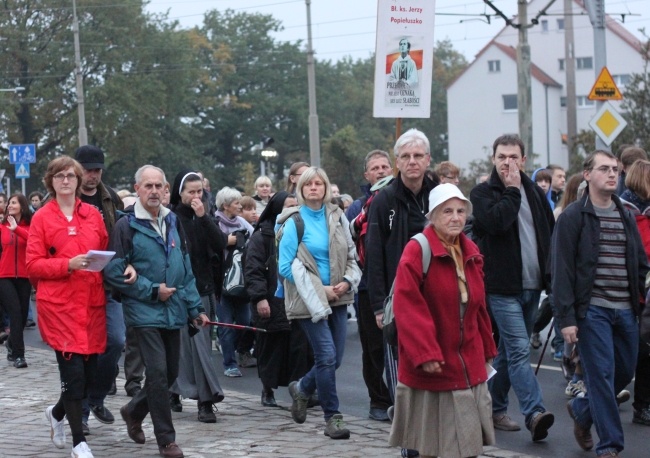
404	59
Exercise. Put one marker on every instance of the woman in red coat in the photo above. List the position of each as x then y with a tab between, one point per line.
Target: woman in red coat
442	404
70	299
14	284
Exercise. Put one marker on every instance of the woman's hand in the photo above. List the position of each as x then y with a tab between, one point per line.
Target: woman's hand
342	288
330	293
432	367
198	207
263	309
78	262
130	275
12	222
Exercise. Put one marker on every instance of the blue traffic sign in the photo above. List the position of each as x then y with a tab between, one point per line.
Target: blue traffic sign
22	170
22	154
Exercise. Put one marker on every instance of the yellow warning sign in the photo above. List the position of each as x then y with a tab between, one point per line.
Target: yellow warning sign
605	87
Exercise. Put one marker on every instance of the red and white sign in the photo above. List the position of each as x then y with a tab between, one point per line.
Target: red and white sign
404	58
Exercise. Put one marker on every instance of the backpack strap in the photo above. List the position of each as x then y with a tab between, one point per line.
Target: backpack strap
426	252
300	225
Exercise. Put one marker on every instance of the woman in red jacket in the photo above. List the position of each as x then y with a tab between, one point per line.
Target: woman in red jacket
442	403
14	284
70	299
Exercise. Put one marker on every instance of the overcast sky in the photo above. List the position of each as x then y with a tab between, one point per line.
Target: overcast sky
347	27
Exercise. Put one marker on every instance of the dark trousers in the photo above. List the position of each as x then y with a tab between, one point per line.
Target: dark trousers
372	354
133	365
642	377
14	295
160	351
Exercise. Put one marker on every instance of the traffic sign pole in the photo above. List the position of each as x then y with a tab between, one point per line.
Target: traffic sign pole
23	186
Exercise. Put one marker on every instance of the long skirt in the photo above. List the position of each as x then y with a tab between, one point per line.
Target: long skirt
449	424
197	372
282	356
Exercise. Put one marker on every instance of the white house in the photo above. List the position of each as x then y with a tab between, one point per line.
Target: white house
482	101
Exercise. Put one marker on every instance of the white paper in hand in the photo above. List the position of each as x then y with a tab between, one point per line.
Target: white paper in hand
97	260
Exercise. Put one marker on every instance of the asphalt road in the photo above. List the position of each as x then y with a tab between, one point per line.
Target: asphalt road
354	401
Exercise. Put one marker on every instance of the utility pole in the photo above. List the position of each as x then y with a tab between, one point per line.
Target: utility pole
524	92
314	136
570	70
83	134
596	10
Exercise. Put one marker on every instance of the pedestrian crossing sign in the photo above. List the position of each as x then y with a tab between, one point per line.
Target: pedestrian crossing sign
22	170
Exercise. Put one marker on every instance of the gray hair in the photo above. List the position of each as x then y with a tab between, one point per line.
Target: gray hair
373	154
306	177
140	171
412	137
226	196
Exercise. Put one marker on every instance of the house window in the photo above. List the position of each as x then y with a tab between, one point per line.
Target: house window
544	24
584	63
494	66
509	102
561	62
560	24
622	80
582	101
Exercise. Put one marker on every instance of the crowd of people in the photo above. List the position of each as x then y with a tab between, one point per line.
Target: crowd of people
472	281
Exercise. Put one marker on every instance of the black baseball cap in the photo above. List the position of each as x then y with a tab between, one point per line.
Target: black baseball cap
90	157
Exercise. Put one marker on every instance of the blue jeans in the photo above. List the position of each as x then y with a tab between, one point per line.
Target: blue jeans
327	339
608	342
515	316
231	310
107	362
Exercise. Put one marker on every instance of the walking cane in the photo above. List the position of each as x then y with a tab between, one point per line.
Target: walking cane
236	326
548	337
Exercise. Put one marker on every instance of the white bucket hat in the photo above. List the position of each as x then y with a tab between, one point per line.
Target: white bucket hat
442	193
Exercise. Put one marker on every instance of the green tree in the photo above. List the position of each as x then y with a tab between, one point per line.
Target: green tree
636	103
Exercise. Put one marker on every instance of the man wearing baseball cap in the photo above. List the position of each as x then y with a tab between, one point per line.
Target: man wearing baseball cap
95	193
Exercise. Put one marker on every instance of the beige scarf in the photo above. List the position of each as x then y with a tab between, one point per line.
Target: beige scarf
456	254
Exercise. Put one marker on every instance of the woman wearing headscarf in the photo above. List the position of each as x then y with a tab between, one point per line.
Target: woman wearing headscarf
442	403
70	299
283	353
197	375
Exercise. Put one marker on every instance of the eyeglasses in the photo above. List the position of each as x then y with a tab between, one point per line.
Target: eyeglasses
408	157
61	177
606	169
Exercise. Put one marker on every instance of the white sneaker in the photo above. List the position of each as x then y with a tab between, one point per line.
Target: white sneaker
81	451
57	429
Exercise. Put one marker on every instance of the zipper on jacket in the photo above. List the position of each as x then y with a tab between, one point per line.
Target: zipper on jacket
13	234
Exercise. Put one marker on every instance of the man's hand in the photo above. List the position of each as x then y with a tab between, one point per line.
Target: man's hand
263	309
130	275
570	334
341	288
165	293
198	207
232	239
513	177
330	293
379	320
201	321
432	367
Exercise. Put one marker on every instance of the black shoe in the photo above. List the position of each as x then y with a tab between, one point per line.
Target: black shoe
85	429
133	391
20	363
102	414
175	403
113	390
268	400
3	336
30	323
206	414
10	352
642	416
378	414
540	424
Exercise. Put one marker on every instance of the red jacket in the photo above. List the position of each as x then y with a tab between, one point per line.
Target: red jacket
12	261
71	306
428	318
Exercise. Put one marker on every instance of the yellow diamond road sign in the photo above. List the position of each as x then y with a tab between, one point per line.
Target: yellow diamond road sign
608	123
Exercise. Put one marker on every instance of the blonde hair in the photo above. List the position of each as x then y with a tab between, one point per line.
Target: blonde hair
306	177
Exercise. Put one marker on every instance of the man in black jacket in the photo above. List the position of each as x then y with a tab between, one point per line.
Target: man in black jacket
396	214
599	269
513	223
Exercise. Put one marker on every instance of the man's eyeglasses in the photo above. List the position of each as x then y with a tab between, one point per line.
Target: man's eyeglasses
60	177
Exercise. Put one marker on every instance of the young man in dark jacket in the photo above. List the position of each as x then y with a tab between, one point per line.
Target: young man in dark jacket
599	270
513	223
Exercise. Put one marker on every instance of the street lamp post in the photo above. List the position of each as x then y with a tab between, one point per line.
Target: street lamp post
13	89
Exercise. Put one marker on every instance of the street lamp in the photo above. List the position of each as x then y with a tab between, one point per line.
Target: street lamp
14	89
267	153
